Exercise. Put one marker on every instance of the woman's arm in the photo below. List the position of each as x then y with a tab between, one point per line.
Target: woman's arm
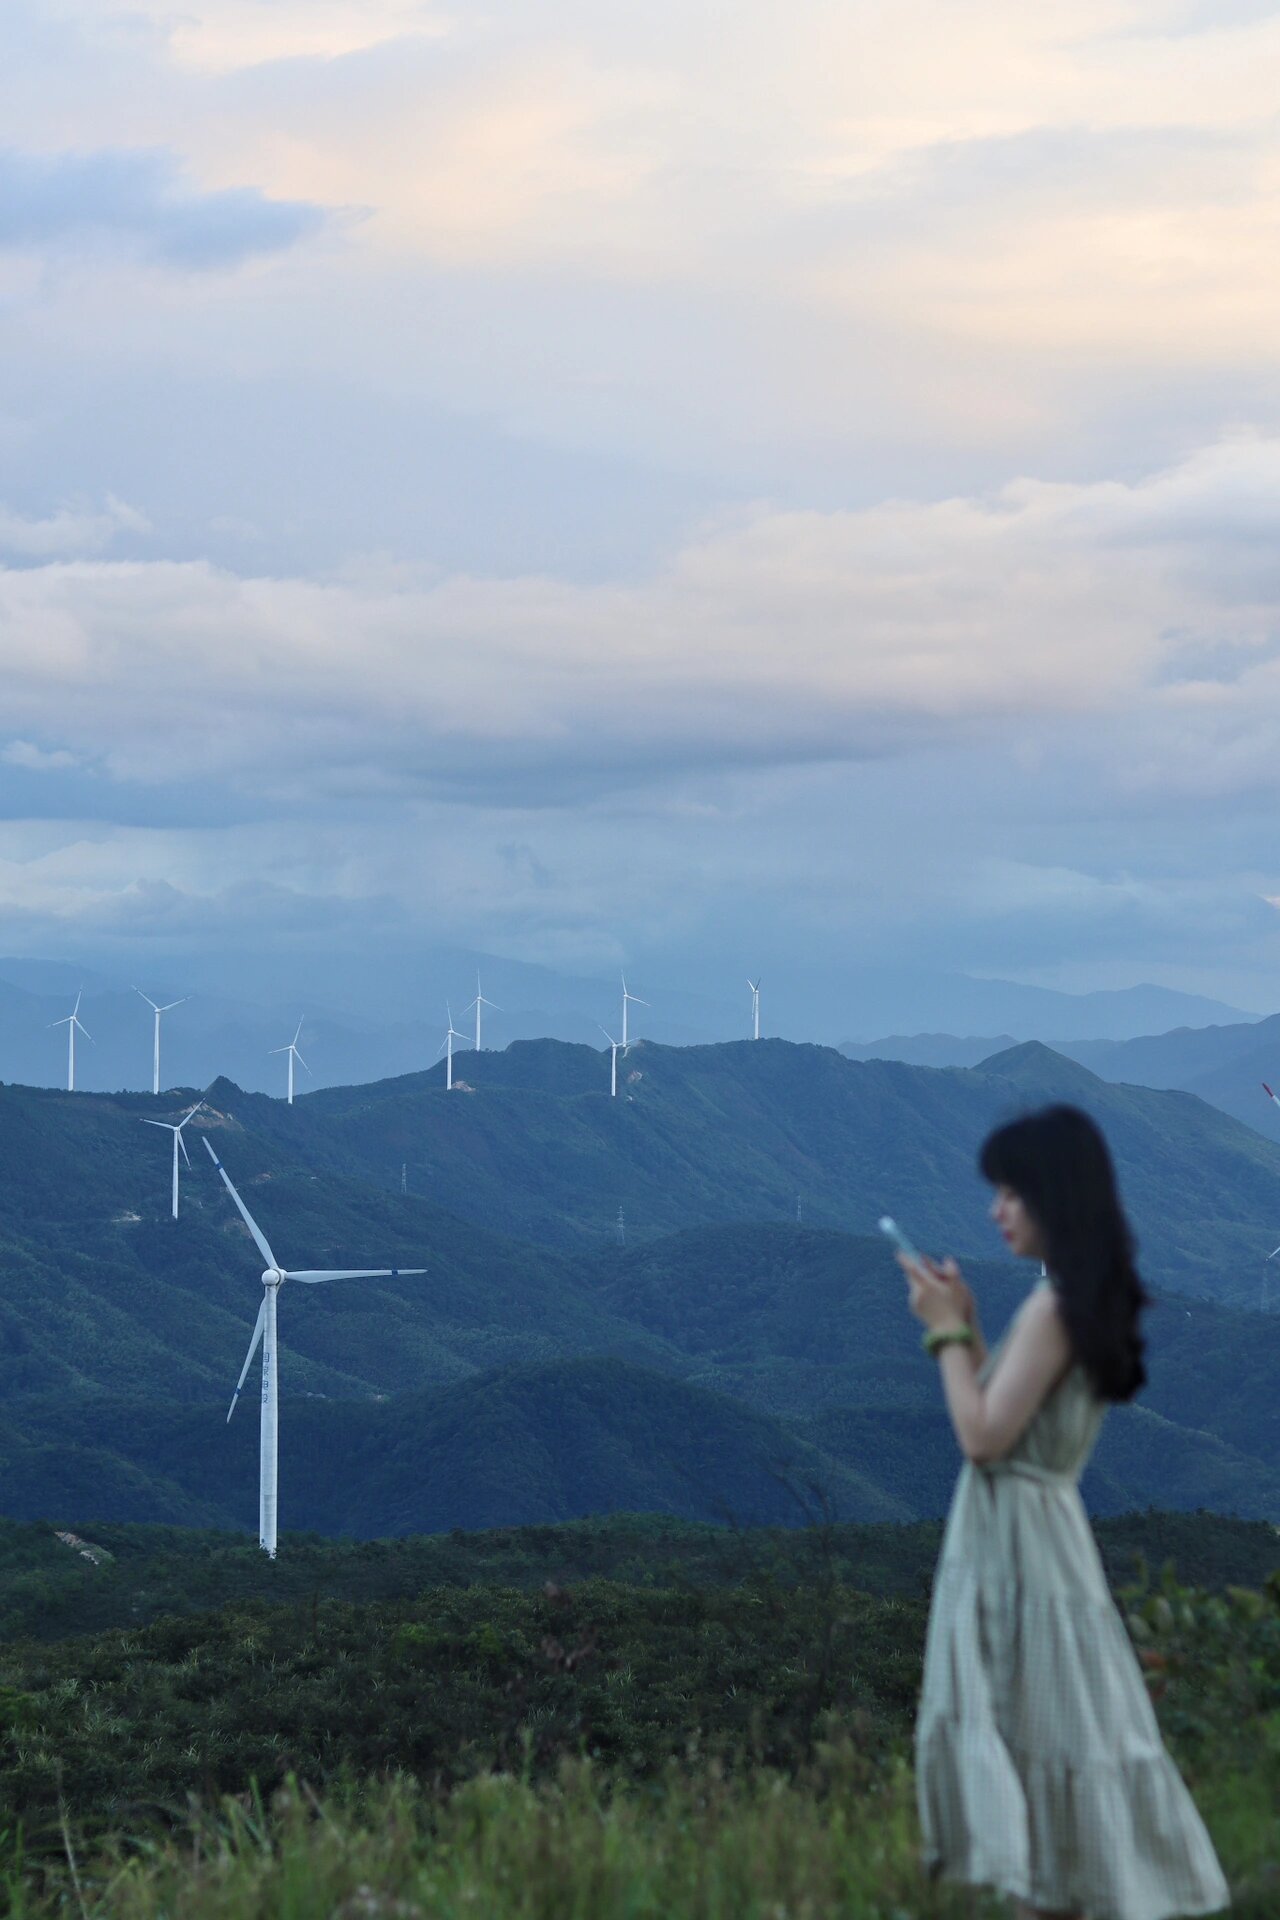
969	1308
990	1419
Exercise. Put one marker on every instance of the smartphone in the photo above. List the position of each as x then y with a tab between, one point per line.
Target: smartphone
898	1237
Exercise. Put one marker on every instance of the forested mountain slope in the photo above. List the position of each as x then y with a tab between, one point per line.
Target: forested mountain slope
533	1145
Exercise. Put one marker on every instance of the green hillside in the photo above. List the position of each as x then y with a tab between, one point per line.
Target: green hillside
103	1290
534	1146
120	1318
522	1445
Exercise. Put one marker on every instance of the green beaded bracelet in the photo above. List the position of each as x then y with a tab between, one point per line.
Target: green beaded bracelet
938	1337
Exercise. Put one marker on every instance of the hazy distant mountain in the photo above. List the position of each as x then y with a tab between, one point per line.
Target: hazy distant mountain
1039	1013
931	1049
1225	1065
377	1015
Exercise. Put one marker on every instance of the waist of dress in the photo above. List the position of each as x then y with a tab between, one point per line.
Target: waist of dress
1026	1470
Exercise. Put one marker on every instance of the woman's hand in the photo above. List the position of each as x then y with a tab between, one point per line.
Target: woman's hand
937	1294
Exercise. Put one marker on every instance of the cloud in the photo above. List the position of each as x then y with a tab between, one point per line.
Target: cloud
140	200
778	638
72	529
34	759
235	34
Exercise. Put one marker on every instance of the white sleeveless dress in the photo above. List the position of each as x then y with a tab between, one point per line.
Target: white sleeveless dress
1040	1769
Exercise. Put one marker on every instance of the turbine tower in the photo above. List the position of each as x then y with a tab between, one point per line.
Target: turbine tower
178	1141
292	1051
446	1047
625	998
265	1331
155	1054
478	1003
71	1021
613	1064
755	1008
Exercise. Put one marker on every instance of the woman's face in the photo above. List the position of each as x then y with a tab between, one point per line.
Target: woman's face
1018	1225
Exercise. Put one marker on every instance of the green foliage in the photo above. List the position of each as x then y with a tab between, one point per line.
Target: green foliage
597	1748
48	1592
582	1846
453	1683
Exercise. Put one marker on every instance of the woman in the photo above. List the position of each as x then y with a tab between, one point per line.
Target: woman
1040	1768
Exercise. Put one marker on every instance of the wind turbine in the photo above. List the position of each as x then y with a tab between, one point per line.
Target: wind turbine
71	1021
155	1056
178	1141
447	1045
292	1051
613	1064
265	1331
477	1003
755	1007
625	998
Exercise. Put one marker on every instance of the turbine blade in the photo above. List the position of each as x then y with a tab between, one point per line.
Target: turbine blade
260	1238
190	1116
248	1359
301	1062
159	1123
147	997
314	1276
182	1143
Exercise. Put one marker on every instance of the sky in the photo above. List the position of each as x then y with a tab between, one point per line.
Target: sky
685	487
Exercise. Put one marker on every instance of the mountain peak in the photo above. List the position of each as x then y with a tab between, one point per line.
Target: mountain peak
1038	1067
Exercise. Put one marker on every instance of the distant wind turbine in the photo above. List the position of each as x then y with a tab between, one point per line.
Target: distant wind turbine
477	1003
755	1007
446	1047
292	1051
155	1054
613	1064
71	1021
625	998
265	1331
178	1141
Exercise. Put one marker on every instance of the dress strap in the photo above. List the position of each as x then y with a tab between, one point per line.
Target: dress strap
1028	1470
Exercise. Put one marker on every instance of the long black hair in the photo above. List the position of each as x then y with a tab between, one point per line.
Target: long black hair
1058	1164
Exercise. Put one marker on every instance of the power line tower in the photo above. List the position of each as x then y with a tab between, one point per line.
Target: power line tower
404	1177
622	1228
799	1212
